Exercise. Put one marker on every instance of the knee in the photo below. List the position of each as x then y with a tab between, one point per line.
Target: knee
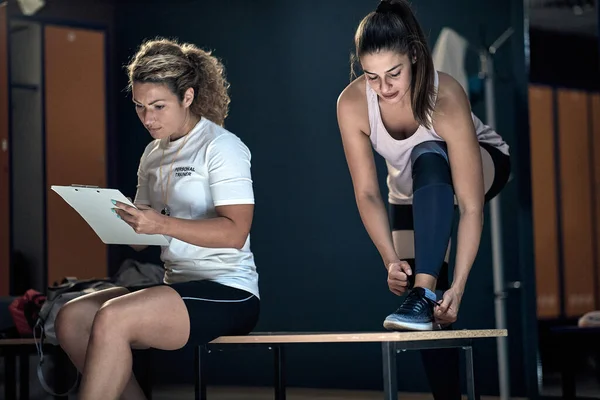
108	321
70	322
429	147
430	164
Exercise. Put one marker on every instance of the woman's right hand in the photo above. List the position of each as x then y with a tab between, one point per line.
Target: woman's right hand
398	273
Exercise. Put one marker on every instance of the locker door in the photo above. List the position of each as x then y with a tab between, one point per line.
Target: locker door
75	83
576	202
543	181
4	159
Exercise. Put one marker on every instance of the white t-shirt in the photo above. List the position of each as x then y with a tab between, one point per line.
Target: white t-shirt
211	169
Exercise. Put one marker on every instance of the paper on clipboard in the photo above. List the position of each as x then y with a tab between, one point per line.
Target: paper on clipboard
95	207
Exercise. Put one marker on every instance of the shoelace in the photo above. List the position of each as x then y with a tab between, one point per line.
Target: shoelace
414	301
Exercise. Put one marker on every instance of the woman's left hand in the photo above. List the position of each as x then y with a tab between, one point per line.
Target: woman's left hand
143	219
447	312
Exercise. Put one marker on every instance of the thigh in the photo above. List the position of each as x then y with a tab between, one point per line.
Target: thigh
168	317
83	309
149	317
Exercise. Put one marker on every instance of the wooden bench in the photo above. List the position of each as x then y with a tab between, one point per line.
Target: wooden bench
391	344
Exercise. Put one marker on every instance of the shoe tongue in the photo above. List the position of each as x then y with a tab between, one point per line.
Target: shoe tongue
424	294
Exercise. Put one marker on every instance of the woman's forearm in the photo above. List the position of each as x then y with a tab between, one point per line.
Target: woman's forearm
213	232
374	217
470	226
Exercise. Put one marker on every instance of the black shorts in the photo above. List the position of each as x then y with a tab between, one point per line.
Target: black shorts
214	309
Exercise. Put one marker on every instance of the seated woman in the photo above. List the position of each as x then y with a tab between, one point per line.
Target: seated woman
194	187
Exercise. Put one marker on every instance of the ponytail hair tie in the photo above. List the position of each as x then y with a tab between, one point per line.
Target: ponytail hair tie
385	6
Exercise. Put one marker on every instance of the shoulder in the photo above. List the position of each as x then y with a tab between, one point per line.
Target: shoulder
451	95
352	102
353	97
218	139
452	113
452	101
150	148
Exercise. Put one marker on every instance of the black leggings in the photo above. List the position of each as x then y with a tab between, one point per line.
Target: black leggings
431	217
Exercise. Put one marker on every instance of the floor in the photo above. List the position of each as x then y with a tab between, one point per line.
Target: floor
240	393
585	388
588	387
228	393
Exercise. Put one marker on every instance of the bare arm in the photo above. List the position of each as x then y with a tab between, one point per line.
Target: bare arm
454	123
361	164
229	229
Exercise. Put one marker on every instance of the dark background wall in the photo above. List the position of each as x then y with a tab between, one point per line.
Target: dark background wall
287	63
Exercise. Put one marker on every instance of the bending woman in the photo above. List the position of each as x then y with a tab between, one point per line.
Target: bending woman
437	153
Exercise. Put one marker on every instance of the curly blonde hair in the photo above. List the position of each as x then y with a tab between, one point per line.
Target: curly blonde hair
183	66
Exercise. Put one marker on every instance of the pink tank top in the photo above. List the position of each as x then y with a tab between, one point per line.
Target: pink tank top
397	152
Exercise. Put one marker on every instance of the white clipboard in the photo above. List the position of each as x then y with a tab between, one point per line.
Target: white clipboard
95	207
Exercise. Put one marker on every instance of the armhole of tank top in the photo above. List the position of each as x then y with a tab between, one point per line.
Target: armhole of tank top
370	112
436	85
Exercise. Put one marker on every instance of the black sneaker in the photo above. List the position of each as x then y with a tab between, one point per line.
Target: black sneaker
415	313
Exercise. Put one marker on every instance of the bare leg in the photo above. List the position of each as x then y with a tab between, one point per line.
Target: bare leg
155	317
73	328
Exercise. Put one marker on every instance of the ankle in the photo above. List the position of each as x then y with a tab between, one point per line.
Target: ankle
425	281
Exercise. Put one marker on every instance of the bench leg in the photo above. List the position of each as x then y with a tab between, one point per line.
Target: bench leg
200	387
10	374
390	384
279	363
469	372
24	376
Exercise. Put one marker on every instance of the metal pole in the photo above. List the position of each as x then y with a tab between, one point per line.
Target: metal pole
498	260
487	71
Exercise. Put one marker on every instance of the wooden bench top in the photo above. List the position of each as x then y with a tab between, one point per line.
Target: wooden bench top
345	337
332	337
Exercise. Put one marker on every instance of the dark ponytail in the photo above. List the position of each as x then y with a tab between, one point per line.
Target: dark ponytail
394	27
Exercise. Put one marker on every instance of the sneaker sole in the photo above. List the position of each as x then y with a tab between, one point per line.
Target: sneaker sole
412	326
